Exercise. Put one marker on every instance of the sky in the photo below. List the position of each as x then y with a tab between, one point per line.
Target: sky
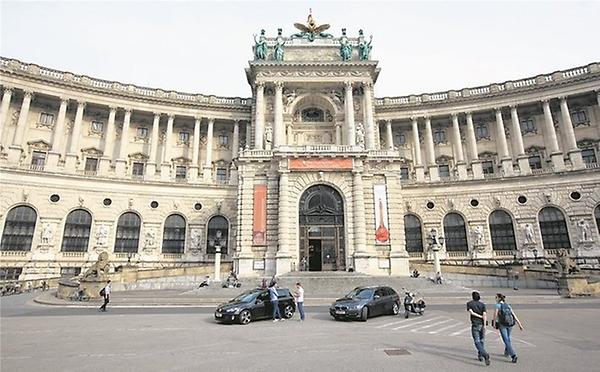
204	46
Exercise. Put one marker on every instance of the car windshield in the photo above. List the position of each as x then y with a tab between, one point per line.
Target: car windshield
246	297
363	293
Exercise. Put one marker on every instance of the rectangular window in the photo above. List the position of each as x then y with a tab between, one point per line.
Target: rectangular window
46	119
10	273
137	169
180	172
444	171
404	173
488	167
400	139
223	140
70	271
439	136
91	164
97	127
221	175
142	132
481	131
579	117
38	160
528	126
184	137
589	156
535	162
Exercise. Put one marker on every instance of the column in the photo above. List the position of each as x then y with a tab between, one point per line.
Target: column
15	150
432	167
570	140
58	136
338	133
235	144
121	162
558	162
522	158
284	229
369	122
472	141
461	166
193	173
349	113
244	254
151	165
165	166
207	170
361	256
278	128
109	142
248	135
503	155
4	108
259	121
389	135
73	153
417	162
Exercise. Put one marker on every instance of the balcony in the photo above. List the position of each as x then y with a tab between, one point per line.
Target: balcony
37	167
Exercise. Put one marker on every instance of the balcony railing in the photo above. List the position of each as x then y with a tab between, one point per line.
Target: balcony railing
457	254
37	167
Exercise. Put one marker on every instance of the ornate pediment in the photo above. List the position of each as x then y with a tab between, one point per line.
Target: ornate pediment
92	151
444	159
587	142
138	156
182	160
534	150
487	155
40	145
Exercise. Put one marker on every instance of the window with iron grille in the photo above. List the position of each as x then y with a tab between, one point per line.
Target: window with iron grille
455	233
174	234
18	229
180	172
77	231
10	273
535	162
128	233
589	156
502	231
46	119
137	169
488	167
553	228
413	234
38	159
91	164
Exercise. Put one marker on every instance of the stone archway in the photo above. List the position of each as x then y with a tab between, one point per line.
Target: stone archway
321	220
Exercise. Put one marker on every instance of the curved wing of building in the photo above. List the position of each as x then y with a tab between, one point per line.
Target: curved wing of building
311	173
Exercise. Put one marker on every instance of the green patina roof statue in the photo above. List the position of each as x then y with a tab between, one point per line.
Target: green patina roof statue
260	46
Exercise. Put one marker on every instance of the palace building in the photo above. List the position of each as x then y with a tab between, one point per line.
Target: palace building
313	172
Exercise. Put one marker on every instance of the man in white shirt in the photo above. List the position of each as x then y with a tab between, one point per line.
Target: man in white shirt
299	295
105	292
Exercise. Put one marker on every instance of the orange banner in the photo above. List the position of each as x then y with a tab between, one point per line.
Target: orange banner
321	164
259	227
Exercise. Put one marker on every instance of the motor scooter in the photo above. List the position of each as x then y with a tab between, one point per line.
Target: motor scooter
413	305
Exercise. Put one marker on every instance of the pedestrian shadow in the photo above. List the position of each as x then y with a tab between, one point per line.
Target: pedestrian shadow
448	352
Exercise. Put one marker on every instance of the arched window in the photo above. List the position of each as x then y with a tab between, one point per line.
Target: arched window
553	228
313	115
128	233
503	233
218	235
18	229
174	234
77	231
413	233
455	233
597	216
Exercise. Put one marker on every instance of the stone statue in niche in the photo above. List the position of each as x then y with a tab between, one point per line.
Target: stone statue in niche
268	138
529	234
290	97
584	230
47	236
360	135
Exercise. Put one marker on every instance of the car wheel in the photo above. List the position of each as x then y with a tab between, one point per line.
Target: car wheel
245	317
364	314
288	312
395	308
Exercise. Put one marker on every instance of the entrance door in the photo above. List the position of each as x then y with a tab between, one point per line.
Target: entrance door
315	255
322	230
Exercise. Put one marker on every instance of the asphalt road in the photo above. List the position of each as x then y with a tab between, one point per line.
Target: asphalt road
38	338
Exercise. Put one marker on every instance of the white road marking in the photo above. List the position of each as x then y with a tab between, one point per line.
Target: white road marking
461	331
389	324
430	325
445	328
412	324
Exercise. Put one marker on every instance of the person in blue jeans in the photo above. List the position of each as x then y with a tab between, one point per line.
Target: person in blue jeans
504	319
273	296
478	317
299	296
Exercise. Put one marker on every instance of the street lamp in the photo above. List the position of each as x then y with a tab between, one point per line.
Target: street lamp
435	243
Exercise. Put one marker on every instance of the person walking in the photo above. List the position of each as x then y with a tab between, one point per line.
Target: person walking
299	296
504	319
105	292
478	317
273	296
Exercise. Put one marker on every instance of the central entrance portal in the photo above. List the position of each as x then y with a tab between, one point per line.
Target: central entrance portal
322	230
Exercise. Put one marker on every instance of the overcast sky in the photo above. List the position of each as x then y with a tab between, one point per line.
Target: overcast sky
203	47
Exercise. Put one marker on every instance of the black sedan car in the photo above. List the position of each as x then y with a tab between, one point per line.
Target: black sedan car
365	302
254	305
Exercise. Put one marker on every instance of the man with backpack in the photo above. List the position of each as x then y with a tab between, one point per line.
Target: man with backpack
504	319
105	292
478	317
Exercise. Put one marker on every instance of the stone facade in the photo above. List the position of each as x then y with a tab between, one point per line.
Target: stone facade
313	120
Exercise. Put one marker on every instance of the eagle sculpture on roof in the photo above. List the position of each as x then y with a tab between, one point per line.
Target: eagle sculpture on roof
310	30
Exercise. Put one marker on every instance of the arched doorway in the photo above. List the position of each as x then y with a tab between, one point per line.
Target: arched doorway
322	230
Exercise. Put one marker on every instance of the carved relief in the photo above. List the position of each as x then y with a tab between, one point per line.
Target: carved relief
102	236
39	145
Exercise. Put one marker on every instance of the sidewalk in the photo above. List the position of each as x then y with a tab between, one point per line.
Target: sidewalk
211	297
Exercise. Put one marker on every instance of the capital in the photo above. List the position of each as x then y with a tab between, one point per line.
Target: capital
171	116
498	110
279	85
545	101
28	94
198	118
562	98
128	110
388	121
348	85
8	89
368	84
513	106
236	121
414	119
81	105
211	120
112	108
260	84
64	100
157	114
454	116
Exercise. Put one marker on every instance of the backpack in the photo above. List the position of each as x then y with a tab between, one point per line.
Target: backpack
505	316
102	292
